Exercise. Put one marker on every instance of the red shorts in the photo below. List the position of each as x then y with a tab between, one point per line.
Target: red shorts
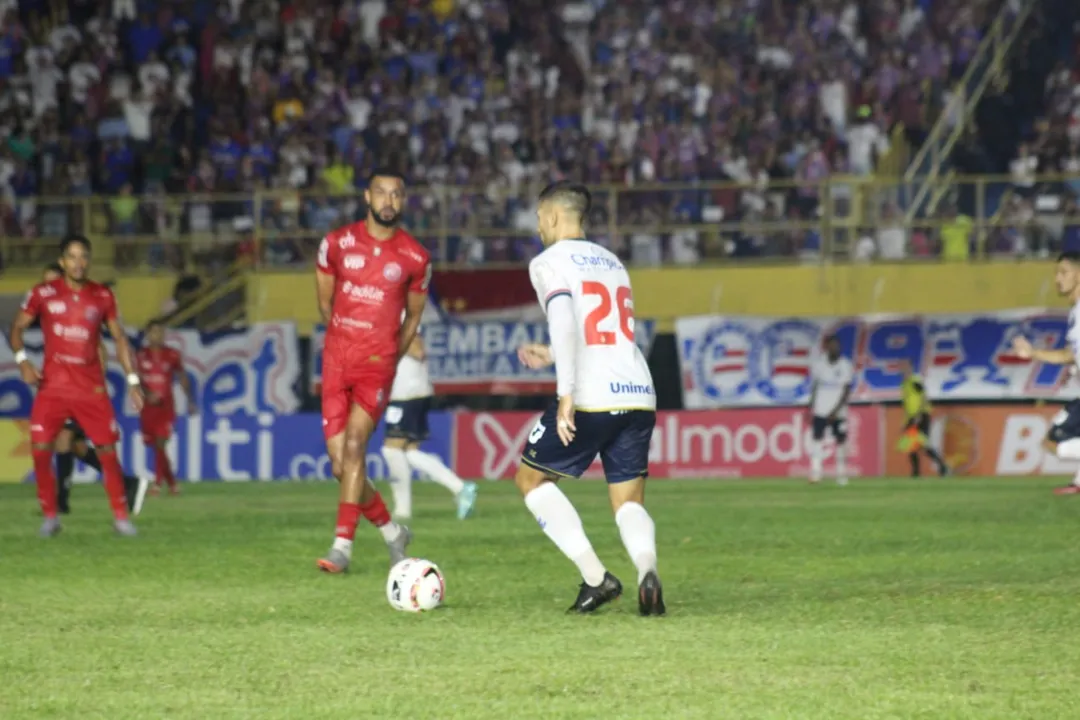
348	381
156	423
91	409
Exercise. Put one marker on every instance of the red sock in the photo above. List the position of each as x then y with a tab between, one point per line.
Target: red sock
162	468
46	481
114	484
348	514
376	512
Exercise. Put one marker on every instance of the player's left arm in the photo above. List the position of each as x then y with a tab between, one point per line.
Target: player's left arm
849	381
123	352
1061	356
325	278
414	307
417	349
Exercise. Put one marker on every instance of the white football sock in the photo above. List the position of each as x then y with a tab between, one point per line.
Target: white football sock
433	467
816	459
841	461
390	531
1069	449
344	546
400	480
638	533
561	522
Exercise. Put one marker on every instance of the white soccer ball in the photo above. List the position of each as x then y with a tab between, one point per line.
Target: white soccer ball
415	585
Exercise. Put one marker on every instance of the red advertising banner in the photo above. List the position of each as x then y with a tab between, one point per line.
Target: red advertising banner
983	441
768	442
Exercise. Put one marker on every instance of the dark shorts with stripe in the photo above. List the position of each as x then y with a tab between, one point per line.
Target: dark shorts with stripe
621	439
837	426
1066	424
408	419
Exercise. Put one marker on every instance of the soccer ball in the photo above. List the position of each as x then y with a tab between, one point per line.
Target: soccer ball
415	585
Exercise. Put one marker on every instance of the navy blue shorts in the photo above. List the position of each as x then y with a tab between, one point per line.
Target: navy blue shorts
1066	425
837	426
408	418
620	438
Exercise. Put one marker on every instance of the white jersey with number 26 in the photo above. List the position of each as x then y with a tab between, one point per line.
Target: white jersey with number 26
611	372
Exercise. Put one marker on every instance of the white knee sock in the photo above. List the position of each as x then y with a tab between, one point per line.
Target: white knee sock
841	461
400	480
817	452
433	467
638	533
1069	449
560	522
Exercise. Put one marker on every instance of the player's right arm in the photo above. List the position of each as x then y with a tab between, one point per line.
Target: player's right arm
416	348
553	292
1062	356
324	280
28	312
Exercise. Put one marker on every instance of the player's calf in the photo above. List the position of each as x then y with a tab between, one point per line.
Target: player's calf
638	533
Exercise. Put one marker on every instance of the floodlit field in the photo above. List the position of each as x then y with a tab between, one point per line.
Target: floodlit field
885	599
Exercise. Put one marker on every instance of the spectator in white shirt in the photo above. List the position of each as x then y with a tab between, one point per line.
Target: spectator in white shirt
865	142
1023	169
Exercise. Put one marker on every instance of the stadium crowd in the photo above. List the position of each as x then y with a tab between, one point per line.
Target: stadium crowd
138	102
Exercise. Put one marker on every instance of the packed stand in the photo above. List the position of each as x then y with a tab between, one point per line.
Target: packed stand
281	110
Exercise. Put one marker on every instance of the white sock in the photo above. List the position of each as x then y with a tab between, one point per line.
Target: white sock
638	533
390	531
344	546
400	480
841	461
433	467
816	460
560	522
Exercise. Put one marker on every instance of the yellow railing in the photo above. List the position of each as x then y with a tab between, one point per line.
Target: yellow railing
988	62
724	221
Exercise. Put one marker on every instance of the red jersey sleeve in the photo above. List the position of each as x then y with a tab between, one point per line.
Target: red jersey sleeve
326	261
421	276
108	305
31	304
177	363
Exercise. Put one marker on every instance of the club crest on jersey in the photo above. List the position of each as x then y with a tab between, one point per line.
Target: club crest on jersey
392	272
347	241
355	262
780	360
57	307
92	314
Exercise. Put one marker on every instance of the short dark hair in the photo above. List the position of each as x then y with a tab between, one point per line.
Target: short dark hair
571	195
1071	256
74	239
155	322
54	267
385	172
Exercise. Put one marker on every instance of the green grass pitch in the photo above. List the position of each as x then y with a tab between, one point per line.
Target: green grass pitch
886	599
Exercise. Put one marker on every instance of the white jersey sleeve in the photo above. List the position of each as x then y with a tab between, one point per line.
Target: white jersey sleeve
1072	336
831	380
610	372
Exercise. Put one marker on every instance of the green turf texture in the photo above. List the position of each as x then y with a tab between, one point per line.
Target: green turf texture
884	599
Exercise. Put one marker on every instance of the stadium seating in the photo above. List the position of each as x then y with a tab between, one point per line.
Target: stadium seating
273	120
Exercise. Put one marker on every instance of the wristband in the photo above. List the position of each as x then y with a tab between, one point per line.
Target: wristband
20	357
133	379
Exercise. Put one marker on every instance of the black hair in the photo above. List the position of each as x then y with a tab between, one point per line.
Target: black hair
571	195
385	172
155	322
54	267
831	339
1070	255
74	239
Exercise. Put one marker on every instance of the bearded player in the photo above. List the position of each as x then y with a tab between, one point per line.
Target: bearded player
1063	439
606	403
72	443
71	310
366	275
159	367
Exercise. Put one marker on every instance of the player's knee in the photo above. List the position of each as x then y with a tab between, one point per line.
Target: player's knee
1049	445
106	449
632	490
355	445
528	479
41	447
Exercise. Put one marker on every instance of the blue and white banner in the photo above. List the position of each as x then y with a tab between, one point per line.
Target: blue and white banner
255	370
737	361
245	447
481	356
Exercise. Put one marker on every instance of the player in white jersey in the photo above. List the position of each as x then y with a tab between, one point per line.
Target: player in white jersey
407	427
831	377
606	403
1063	439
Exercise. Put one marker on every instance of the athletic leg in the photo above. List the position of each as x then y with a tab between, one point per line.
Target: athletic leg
839	431
397	466
47	417
1063	440
95	416
65	467
817	448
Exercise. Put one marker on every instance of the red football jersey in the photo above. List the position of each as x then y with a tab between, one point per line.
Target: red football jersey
373	279
71	325
158	368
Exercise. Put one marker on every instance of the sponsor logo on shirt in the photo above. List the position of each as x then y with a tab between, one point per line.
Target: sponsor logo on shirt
355	262
47	291
57	307
597	262
364	293
71	332
392	272
92	314
618	388
349	322
347	241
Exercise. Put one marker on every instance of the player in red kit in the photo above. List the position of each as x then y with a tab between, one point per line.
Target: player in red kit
72	383
159	366
368	276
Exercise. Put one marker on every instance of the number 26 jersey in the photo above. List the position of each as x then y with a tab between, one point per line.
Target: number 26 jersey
611	372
